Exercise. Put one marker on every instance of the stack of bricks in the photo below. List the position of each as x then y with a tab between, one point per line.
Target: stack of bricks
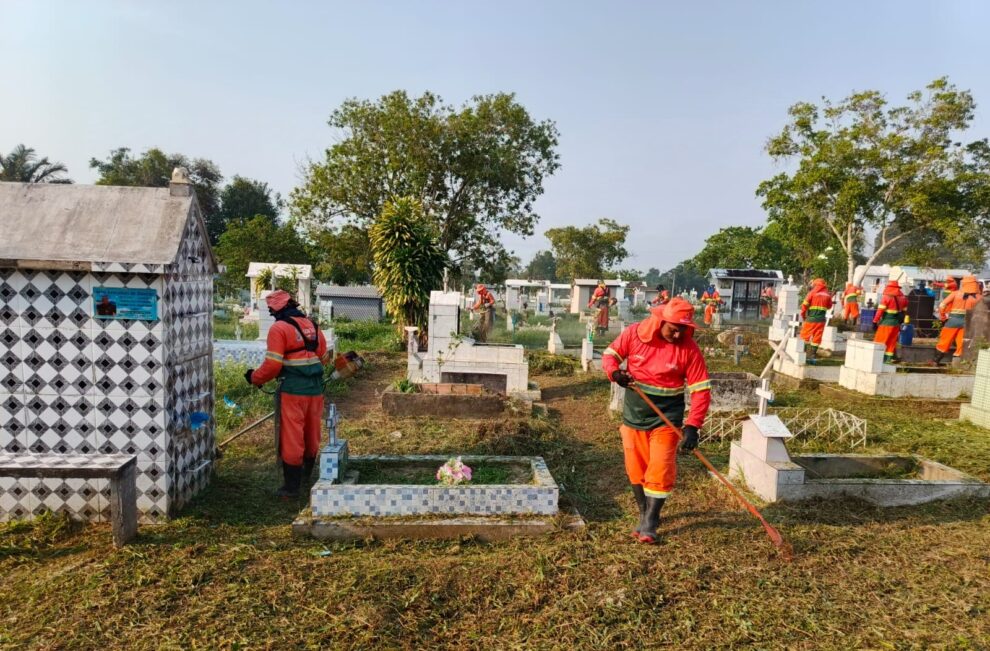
978	410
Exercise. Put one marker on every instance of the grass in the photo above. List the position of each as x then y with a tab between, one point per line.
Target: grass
226	572
364	336
226	328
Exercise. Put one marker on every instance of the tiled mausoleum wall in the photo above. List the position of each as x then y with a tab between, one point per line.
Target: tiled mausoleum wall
71	383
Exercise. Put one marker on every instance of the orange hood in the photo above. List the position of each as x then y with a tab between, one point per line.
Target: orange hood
677	311
970	286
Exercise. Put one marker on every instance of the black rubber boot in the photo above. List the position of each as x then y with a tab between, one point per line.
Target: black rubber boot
651	519
308	464
637	490
939	355
292	477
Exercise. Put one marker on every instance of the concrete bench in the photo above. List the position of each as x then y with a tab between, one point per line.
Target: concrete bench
120	469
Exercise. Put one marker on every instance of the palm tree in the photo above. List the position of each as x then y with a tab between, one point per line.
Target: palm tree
23	165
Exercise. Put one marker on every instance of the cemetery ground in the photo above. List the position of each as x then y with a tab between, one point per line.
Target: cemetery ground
227	572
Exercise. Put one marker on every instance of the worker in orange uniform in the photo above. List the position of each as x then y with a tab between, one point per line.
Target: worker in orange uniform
767	299
952	311
890	314
663	297
600	300
664	361
297	353
711	299
850	303
814	311
486	303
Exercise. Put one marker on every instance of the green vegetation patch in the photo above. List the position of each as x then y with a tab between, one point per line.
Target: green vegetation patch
417	472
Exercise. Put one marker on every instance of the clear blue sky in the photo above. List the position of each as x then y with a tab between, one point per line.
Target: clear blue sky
663	108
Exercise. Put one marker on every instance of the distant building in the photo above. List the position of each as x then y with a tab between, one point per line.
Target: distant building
356	302
875	277
740	289
302	272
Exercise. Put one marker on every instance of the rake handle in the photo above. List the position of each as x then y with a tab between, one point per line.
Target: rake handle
775	537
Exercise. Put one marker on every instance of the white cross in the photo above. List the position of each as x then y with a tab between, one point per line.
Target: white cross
765	395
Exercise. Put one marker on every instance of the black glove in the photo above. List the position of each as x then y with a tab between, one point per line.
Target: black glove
690	438
247	375
622	378
875	324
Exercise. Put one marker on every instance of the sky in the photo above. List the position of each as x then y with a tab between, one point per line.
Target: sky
663	108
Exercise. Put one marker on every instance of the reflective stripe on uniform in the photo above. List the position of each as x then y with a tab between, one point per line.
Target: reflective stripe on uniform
609	351
660	391
653	493
308	361
704	385
275	357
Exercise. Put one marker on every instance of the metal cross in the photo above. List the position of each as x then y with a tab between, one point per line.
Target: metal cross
765	395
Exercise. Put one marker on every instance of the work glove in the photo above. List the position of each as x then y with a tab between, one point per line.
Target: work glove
690	438
622	378
875	324
247	375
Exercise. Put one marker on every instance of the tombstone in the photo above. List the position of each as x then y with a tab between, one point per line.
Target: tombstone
510	325
625	312
542	304
588	347
977	329
788	305
555	345
326	311
833	341
978	410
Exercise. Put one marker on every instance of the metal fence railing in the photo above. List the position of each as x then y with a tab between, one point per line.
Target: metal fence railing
809	425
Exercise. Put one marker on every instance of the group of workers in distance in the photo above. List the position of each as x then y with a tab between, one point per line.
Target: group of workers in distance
891	314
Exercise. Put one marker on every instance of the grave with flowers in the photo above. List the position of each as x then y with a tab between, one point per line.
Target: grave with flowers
491	497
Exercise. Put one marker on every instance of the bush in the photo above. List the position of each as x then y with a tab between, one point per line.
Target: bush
367	336
544	363
245	400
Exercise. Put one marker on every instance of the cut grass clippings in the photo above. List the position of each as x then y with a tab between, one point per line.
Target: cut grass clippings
226	572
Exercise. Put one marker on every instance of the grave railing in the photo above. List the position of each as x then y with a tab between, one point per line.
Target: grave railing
807	424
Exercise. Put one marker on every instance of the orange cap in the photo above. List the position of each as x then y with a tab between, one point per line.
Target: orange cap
970	286
679	312
278	299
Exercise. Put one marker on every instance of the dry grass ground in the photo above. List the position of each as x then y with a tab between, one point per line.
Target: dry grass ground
227	573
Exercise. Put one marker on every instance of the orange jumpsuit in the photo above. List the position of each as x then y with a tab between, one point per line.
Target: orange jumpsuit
664	371
850	302
814	311
711	301
301	392
952	310
766	301
890	314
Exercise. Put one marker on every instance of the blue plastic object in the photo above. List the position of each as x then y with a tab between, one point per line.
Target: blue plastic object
866	319
907	334
197	419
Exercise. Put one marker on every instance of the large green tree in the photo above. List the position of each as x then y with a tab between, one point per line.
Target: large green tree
476	170
154	168
590	251
259	240
742	247
242	199
862	166
408	261
342	255
22	165
543	266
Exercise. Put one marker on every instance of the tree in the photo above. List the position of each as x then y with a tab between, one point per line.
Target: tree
543	266
475	170
257	240
683	278
242	199
22	165
652	277
590	251
924	250
408	261
343	255
744	247
897	171
154	168
624	274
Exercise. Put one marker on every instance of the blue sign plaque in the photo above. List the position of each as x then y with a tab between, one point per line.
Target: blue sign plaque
125	303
